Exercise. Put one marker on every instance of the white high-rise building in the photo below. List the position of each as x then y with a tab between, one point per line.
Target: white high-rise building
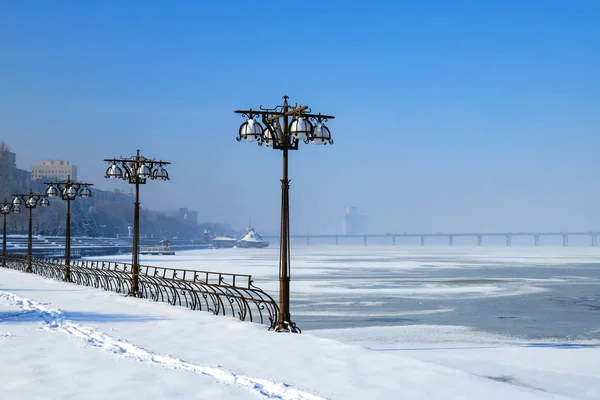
355	222
53	169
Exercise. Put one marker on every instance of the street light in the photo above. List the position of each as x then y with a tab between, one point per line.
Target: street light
31	200
68	190
136	170
6	209
284	136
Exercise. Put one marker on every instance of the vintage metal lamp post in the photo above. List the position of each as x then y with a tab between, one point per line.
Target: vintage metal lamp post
68	190
6	209
136	170
31	200
282	134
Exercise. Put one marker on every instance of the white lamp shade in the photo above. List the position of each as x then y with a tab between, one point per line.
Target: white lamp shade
160	174
70	193
144	172
114	172
251	130
85	192
278	134
268	137
300	128
321	134
52	191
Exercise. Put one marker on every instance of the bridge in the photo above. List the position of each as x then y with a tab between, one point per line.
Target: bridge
593	235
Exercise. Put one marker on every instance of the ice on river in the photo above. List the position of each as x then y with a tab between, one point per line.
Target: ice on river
378	322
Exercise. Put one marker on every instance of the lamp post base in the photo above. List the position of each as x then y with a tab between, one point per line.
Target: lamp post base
134	291
285	326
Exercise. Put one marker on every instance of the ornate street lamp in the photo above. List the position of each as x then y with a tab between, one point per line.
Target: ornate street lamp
136	170
7	208
30	200
282	134
68	190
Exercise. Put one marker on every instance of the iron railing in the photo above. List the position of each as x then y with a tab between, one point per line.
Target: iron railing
216	292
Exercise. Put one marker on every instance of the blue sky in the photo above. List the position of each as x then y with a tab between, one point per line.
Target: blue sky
450	116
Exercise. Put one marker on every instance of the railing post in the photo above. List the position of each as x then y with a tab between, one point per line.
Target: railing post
67	276
29	241
4	241
135	268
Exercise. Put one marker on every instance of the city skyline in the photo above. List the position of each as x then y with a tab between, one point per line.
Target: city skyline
448	117
355	224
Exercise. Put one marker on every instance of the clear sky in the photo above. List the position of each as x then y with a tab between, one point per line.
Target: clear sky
450	115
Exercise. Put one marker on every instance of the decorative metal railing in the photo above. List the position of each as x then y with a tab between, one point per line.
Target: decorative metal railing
219	293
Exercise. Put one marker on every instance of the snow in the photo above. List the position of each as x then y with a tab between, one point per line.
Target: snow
64	341
553	366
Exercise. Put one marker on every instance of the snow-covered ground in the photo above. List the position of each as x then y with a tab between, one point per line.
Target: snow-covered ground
61	341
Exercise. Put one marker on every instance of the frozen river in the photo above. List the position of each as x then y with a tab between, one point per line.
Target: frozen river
528	293
518	300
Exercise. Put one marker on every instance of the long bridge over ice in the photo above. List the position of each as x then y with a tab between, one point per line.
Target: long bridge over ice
593	235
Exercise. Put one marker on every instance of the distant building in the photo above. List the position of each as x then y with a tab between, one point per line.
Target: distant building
355	222
186	215
11	159
54	169
115	196
20	178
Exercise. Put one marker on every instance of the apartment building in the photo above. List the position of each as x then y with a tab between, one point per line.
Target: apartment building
54	169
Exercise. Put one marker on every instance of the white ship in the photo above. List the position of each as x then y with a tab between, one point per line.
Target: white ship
226	242
252	239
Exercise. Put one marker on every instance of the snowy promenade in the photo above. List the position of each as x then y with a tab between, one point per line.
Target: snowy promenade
61	341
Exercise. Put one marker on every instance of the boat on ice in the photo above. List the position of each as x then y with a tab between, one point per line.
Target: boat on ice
224	242
252	239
